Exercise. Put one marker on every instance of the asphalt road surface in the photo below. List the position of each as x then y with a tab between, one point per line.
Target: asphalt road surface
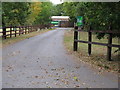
43	62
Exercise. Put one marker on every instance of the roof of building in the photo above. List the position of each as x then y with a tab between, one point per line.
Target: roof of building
66	17
60	18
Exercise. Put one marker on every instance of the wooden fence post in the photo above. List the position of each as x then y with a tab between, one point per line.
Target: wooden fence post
15	30
25	30
10	32
4	32
28	29
90	40
109	48
19	31
75	46
22	30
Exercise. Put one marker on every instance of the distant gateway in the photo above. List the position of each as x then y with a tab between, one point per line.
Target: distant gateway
64	21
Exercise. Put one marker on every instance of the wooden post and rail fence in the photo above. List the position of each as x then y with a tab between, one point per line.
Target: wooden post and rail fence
14	31
109	44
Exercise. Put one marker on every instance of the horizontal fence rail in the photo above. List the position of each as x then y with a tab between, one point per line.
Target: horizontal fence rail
95	31
18	30
89	42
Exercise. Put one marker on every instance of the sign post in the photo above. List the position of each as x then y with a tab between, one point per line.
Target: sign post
79	20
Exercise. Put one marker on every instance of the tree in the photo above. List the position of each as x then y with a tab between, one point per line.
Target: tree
34	9
14	13
57	10
45	14
69	9
100	15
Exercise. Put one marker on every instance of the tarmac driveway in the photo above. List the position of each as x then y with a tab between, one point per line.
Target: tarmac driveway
42	62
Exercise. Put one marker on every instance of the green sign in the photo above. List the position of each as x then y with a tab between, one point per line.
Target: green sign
79	21
55	22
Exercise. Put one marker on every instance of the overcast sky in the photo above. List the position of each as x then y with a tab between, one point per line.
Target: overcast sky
56	1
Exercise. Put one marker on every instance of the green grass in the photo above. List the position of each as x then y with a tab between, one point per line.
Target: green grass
98	57
97	49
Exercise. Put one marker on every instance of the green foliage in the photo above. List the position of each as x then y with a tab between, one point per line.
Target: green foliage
14	13
57	10
69	9
0	13
100	15
34	9
25	13
45	14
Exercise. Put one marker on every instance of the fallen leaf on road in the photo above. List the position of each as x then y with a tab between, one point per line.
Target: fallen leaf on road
77	86
12	85
56	79
9	67
33	82
53	69
75	78
36	76
38	82
77	67
66	78
56	73
49	87
50	75
7	70
83	83
65	82
59	69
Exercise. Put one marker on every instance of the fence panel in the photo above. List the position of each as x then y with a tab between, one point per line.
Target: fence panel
19	30
89	42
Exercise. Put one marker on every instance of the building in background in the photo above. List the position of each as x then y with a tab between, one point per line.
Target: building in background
62	21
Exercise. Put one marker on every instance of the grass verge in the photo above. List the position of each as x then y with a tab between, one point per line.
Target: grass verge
9	41
98	57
